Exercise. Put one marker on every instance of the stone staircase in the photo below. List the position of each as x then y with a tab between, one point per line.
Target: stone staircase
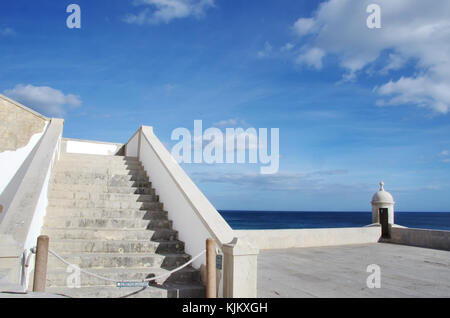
104	216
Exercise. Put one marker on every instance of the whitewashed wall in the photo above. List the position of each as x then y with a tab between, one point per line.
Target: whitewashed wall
194	217
296	238
192	214
40	212
191	230
11	161
89	147
22	222
131	149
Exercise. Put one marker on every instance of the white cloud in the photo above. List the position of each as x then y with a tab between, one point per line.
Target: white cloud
311	57
266	51
413	30
7	32
444	156
424	91
49	101
164	11
232	122
396	62
287	47
304	26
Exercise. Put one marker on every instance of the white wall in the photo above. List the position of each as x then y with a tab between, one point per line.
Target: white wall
193	216
11	161
190	229
23	221
89	147
132	146
420	237
280	239
39	215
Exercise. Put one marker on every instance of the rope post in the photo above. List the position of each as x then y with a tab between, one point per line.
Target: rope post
211	288
40	267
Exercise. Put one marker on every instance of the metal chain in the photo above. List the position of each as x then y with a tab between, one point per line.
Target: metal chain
128	281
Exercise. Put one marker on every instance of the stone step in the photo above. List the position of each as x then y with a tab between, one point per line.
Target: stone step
69	176
146	189
121	246
110	234
170	290
105	217
112	182
82	204
116	260
94	158
100	170
60	277
78	164
106	213
78	195
70	223
99	164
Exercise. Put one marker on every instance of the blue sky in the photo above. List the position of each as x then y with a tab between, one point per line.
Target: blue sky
354	105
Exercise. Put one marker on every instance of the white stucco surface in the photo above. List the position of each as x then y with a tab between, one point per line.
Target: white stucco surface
24	218
281	239
132	146
192	214
11	161
421	237
92	148
40	212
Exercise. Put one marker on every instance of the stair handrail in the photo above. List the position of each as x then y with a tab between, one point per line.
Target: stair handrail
25	215
216	226
195	217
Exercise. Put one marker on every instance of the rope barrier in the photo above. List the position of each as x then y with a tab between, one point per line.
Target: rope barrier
128	281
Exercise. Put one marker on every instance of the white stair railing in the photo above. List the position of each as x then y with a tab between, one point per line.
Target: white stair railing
194	217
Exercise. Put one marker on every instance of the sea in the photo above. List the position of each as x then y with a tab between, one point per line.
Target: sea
264	220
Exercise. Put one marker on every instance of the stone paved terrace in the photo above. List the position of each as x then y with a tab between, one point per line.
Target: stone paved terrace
341	271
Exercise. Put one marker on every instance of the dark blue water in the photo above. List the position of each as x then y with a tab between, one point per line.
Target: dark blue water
260	220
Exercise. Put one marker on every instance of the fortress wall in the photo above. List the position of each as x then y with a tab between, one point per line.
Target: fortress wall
421	238
17	124
21	129
281	239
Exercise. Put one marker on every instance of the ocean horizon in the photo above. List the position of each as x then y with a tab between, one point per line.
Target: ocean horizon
265	220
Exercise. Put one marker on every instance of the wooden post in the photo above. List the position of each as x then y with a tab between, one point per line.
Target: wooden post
211	288
40	266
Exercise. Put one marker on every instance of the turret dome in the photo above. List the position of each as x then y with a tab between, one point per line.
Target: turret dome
382	196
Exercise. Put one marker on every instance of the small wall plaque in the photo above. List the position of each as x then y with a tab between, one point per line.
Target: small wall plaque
219	261
131	284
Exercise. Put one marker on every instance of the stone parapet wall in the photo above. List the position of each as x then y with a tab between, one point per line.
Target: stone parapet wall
296	238
17	124
420	237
